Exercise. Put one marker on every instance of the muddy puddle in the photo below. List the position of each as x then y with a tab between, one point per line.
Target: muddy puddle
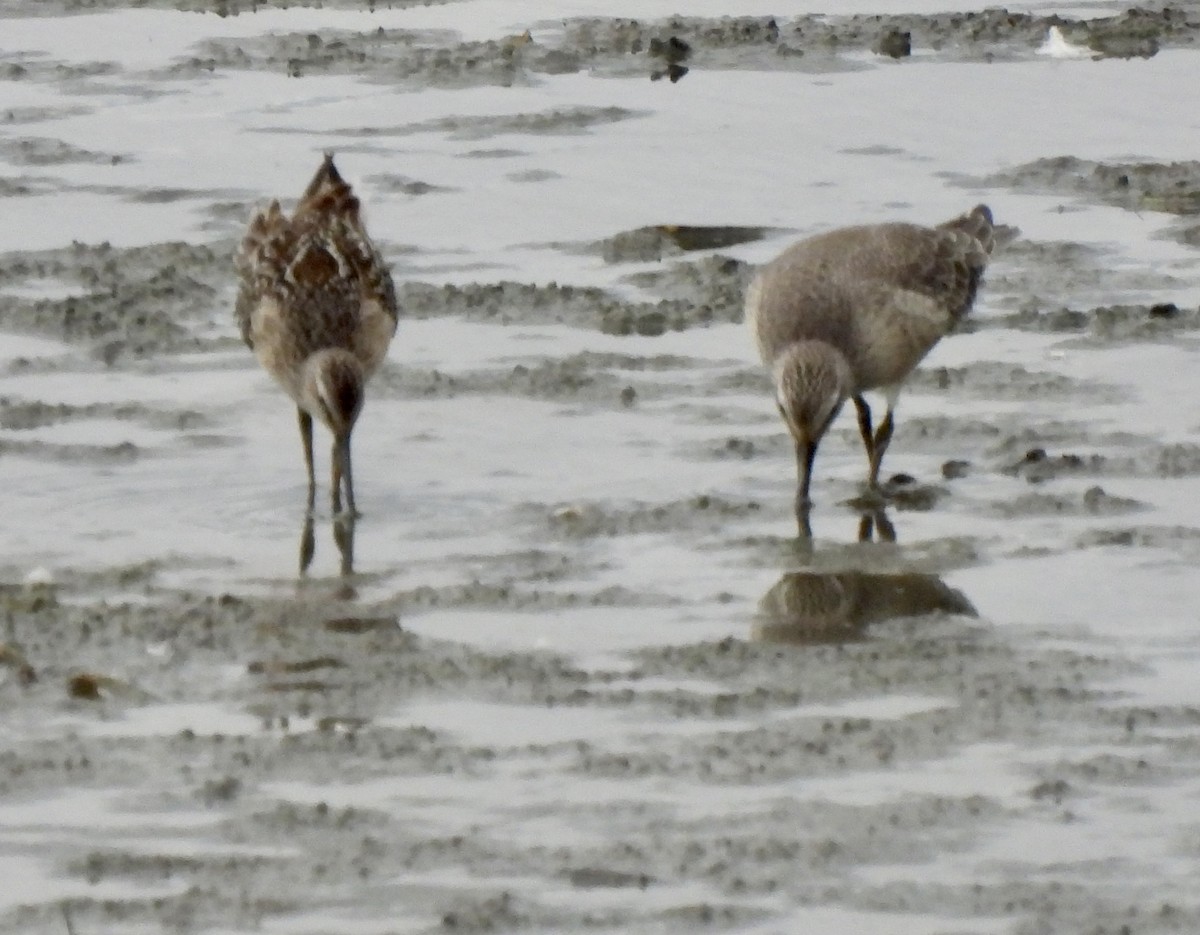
573	670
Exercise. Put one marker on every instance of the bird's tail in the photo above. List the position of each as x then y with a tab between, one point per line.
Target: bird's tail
976	223
328	193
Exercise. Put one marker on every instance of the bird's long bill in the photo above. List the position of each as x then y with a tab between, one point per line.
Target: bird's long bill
343	535
342	470
806	453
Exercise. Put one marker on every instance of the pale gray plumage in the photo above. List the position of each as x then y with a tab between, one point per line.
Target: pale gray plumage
317	305
856	309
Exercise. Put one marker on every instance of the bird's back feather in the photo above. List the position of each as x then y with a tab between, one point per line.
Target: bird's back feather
882	294
313	281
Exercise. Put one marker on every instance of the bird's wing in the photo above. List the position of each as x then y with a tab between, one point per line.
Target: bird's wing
920	282
941	265
257	260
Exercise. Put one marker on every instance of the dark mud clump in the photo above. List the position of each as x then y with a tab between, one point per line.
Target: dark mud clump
1032	277
719	281
133	302
576	378
1105	323
592	520
647	244
1162	461
552	122
397	56
994	380
38	68
118	453
520	596
1184	540
715	282
1094	501
604	379
894	43
404	185
42	151
1138	186
18	415
22	415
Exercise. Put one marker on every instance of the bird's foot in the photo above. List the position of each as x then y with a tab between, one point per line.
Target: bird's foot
871	498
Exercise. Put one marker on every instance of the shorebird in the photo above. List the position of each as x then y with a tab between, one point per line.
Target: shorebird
317	306
856	309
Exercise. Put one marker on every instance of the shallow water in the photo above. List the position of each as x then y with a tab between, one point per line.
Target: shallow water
548	697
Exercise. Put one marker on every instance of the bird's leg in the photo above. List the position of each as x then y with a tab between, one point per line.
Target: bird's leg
349	481
883	435
864	428
335	476
306	438
803	522
806	452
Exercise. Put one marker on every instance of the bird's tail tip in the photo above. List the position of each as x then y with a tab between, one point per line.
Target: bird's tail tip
983	213
978	223
328	191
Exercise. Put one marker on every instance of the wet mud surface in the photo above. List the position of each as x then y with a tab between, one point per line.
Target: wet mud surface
673	47
321	688
117	302
525	711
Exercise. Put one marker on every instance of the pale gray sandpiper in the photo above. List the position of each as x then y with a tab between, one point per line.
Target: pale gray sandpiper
317	306
856	309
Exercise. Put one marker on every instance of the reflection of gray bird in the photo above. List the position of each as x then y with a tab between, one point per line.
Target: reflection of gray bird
805	607
856	309
317	306
343	536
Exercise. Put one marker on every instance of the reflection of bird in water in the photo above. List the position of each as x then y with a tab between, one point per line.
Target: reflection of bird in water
343	536
856	309
875	520
870	522
806	607
318	307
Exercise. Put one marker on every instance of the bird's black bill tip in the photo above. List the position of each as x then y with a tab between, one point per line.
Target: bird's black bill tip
342	478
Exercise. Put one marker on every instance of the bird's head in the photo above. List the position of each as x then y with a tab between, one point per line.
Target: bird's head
333	390
812	381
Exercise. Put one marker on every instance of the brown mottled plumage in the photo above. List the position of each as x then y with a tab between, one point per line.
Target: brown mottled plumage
856	309
317	306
